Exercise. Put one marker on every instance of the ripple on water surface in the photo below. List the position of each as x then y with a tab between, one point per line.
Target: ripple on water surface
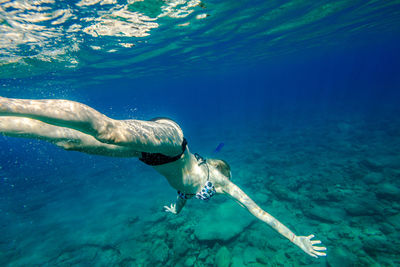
135	38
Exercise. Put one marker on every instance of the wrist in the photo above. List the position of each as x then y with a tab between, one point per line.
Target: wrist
293	238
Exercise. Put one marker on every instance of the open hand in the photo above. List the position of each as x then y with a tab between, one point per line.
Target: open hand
307	245
171	209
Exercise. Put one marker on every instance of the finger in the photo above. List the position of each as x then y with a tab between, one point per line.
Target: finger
310	236
312	255
314	242
319	253
319	248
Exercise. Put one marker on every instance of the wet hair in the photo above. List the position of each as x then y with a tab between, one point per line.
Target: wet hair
222	166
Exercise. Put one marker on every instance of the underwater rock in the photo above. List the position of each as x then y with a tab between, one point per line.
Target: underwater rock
282	193
210	259
354	209
237	262
330	215
132	220
370	165
376	243
224	222
177	221
344	127
86	254
180	244
253	255
386	228
203	254
200	264
157	217
189	262
107	257
363	207
256	240
334	196
256	264
127	262
339	257
395	221
223	257
387	191
160	252
373	178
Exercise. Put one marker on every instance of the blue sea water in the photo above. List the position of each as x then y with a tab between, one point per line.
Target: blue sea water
304	96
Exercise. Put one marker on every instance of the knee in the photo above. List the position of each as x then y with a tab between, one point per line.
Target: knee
108	133
68	144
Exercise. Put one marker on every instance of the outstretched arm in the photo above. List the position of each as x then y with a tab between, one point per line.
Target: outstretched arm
244	200
144	136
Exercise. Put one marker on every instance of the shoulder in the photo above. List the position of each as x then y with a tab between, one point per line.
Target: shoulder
220	181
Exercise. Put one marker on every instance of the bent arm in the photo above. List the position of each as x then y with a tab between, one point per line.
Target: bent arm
144	136
66	138
177	206
180	203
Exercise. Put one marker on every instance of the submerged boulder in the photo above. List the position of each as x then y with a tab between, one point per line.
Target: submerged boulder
371	165
387	191
223	222
223	257
340	257
160	252
359	208
373	178
325	214
237	262
374	244
253	255
190	261
395	221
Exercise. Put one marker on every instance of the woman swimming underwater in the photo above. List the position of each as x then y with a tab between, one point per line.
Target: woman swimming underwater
159	143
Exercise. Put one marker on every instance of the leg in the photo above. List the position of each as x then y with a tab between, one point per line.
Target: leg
66	138
63	113
146	136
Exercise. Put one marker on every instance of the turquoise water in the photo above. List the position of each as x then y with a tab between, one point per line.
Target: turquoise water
305	97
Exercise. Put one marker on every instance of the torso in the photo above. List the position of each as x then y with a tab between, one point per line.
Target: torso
184	174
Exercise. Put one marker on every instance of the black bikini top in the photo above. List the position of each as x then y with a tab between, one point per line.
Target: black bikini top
154	159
